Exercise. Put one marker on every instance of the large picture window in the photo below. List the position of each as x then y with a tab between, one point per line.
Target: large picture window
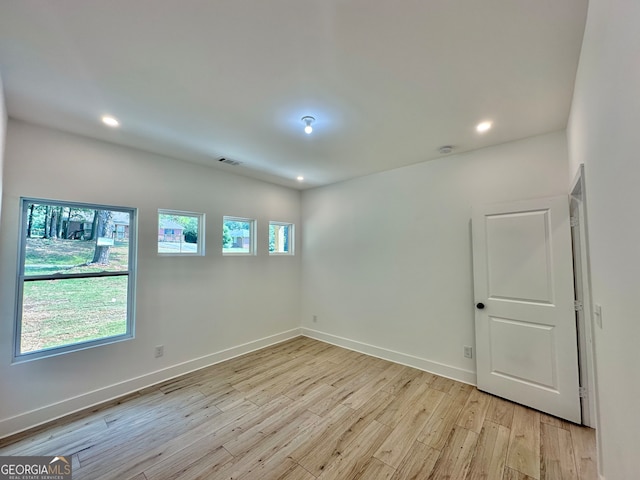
76	277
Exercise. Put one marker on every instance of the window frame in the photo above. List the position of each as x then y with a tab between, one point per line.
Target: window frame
201	233
291	239
17	356
252	235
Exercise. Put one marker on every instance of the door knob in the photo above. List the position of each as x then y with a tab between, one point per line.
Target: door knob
480	306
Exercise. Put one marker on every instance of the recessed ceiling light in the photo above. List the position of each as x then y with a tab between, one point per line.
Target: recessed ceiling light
110	121
300	178
484	126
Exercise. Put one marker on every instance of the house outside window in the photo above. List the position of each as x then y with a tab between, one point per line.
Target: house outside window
121	223
238	236
180	233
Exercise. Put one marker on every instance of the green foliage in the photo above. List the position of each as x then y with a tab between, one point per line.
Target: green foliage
233	225
190	236
272	238
38	217
227	241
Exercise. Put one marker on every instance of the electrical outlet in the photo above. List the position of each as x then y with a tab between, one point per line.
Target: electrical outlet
159	351
468	351
315	318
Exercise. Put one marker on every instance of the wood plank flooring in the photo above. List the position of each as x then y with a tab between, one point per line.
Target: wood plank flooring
305	410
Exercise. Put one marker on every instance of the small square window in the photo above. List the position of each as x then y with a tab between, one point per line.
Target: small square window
280	238
180	233
238	236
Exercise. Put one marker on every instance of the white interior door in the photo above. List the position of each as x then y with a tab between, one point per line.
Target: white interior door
526	343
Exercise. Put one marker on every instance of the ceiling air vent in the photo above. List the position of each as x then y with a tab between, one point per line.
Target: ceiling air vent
228	161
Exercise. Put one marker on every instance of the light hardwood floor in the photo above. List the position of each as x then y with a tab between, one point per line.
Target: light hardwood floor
304	409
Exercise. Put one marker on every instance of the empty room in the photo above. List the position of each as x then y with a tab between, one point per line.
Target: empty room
319	240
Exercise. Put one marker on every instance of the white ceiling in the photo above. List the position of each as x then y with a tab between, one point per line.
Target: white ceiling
388	81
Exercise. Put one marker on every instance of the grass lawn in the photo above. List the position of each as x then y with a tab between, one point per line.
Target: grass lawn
63	311
177	247
46	256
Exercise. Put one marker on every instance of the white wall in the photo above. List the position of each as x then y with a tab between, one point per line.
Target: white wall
196	307
3	131
603	133
387	258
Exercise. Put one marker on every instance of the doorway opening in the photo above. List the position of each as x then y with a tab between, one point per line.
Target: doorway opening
584	310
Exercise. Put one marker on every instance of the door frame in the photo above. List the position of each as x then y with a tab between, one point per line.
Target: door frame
582	280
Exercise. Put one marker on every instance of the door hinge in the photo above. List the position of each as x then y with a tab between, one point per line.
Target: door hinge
577	305
574	221
582	391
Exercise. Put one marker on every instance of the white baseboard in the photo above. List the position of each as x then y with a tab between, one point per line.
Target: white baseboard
455	373
24	421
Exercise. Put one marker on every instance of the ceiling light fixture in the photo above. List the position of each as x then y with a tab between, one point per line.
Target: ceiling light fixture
307	122
110	121
445	149
484	126
300	178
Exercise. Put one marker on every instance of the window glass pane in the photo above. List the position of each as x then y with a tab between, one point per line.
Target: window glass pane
61	312
280	237
65	240
76	277
179	233
236	235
